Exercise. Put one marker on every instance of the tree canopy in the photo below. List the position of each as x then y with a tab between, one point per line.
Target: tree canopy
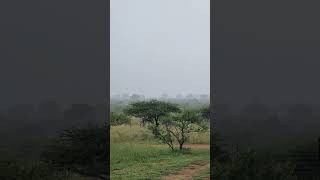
151	111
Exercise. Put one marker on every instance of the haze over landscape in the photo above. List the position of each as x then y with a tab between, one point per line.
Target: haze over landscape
160	47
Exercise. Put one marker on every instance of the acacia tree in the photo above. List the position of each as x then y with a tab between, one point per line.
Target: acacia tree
180	125
151	111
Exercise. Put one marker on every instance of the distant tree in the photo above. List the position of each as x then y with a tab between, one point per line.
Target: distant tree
204	96
80	150
164	96
151	111
179	96
189	96
119	119
136	97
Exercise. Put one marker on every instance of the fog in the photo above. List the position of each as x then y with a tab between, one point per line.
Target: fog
160	46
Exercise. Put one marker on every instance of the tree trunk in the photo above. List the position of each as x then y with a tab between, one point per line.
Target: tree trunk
180	146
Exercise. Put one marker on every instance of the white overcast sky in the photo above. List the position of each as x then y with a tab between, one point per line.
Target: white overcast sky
160	46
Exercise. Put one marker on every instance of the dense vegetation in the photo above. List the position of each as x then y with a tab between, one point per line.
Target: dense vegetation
138	148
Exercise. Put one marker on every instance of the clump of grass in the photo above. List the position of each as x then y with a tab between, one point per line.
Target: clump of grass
127	133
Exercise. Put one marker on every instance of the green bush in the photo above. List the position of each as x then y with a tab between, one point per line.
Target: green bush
119	119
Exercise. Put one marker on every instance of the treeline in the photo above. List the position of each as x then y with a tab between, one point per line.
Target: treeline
188	102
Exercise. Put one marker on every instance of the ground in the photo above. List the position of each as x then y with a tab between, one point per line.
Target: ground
190	172
142	161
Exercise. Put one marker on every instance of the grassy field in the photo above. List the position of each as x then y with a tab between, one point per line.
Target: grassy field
138	134
142	161
136	155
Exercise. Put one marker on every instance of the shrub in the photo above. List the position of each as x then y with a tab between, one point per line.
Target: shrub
119	119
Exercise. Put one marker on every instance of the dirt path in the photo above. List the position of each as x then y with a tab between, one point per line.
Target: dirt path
188	172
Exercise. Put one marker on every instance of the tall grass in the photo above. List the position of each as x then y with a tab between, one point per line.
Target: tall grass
126	133
136	134
199	138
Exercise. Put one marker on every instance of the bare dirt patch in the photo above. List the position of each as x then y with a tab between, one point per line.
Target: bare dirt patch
188	172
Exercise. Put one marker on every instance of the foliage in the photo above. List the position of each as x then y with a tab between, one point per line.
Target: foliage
151	111
80	150
178	126
117	119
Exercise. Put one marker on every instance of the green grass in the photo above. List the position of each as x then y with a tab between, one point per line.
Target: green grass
125	133
142	161
135	156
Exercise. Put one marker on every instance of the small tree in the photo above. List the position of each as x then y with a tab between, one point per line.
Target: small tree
151	111
179	126
185	123
117	119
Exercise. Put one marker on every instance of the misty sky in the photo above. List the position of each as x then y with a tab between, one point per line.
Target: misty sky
160	46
